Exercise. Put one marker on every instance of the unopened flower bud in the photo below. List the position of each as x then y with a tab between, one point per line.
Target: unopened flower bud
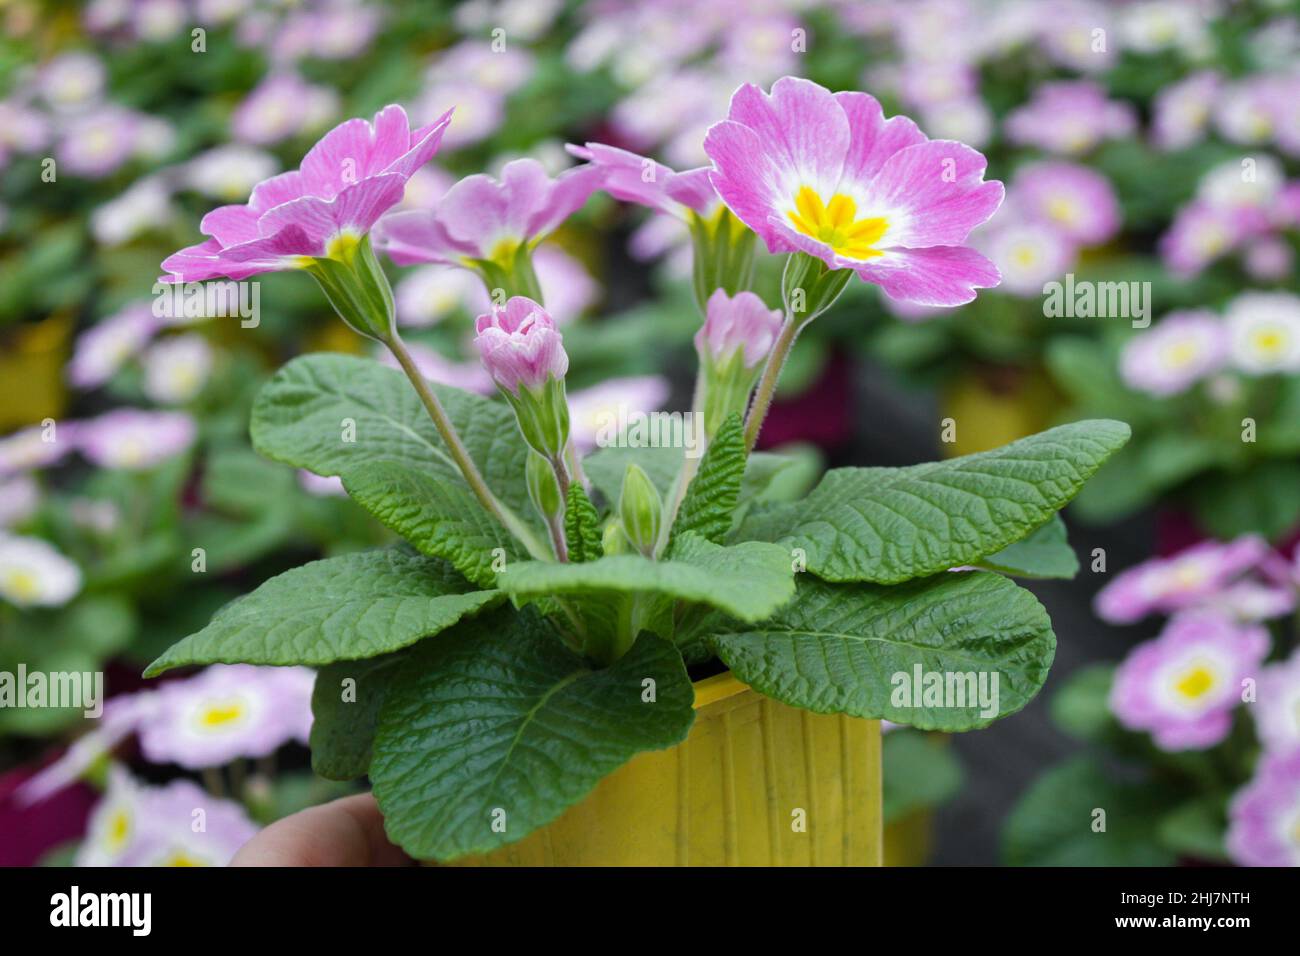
640	509
737	335
524	353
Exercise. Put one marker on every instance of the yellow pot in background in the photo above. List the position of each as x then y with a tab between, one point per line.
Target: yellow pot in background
734	793
994	406
31	372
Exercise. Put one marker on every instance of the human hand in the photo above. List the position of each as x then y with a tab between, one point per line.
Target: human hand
345	832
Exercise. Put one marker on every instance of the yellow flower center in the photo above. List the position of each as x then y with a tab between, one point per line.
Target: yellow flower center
220	713
1062	210
119	828
1269	341
1025	256
1181	354
22	585
1196	683
836	224
181	858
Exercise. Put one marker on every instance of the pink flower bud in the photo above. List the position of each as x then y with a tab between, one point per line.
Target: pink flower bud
520	345
740	323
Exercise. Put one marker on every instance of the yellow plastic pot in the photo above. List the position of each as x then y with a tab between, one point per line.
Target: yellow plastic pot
757	783
31	372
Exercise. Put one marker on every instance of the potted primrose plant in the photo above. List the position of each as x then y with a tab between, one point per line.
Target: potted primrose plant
638	656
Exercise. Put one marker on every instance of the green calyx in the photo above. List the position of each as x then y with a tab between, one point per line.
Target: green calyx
508	272
543	416
724	389
355	284
723	249
809	287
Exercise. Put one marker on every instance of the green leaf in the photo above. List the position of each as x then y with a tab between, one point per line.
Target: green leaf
605	468
748	581
1046	553
440	517
888	525
919	771
1053	825
345	716
854	648
300	414
76	639
1196	829
581	526
1081	707
345	608
1264	500
712	494
498	722
782	476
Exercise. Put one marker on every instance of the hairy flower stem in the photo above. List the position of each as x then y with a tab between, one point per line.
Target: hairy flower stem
452	440
684	476
771	372
556	522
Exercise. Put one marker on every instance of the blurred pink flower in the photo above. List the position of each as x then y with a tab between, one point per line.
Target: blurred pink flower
1200	233
1264	816
139	825
1183	109
1075	199
355	174
1183	686
1180	350
1277	706
1027	253
498	70
37	447
225	712
282	105
1178	582
1069	117
828	175
596	409
108	344
131	439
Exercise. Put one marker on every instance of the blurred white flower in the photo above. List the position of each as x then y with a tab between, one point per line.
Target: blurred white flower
177	368
34	574
230	172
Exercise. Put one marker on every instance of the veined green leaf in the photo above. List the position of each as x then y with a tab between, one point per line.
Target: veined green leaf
711	497
867	651
439	516
303	415
748	581
581	526
345	714
888	525
1046	553
498	728
344	608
